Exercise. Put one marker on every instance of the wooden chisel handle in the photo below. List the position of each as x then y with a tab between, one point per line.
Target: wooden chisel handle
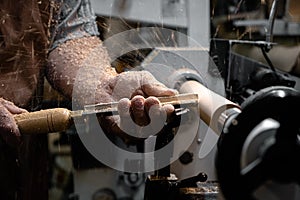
44	121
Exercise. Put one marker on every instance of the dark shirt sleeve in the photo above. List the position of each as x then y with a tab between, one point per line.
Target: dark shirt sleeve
74	19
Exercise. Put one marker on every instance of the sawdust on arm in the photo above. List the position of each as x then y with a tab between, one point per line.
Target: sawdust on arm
84	61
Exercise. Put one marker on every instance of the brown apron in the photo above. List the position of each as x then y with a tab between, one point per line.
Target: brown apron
24	33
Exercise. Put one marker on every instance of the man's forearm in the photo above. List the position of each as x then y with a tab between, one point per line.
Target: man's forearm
67	60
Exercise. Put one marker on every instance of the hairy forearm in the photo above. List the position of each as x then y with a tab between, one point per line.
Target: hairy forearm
82	61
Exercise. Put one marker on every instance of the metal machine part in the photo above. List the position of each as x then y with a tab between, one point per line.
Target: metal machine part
258	141
244	76
203	191
252	71
258	148
181	15
273	13
282	20
105	183
170	188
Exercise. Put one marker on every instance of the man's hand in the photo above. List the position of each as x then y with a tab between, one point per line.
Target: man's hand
80	69
8	128
139	108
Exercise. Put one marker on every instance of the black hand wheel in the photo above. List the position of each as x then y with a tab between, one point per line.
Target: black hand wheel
275	152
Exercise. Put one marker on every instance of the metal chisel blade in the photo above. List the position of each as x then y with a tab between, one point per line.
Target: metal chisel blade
112	107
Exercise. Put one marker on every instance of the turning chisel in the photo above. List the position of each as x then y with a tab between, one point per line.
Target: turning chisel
60	119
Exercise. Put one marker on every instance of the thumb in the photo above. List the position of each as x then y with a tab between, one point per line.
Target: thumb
152	87
158	90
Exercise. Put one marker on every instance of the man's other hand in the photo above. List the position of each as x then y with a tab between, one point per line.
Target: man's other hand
8	128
